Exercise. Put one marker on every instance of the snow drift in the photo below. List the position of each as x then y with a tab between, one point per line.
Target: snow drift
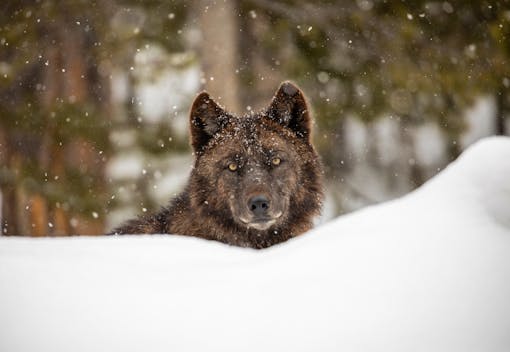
427	272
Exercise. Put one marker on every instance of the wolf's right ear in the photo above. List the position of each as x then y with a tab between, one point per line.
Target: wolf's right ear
206	119
290	109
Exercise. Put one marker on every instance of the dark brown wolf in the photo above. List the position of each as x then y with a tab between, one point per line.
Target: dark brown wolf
256	179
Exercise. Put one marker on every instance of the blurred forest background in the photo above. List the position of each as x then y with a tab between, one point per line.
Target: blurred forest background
94	95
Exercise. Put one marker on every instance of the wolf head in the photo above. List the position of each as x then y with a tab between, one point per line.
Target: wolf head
258	172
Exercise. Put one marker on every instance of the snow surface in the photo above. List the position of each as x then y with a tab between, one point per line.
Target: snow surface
427	272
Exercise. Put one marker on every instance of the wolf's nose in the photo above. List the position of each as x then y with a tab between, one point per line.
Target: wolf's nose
259	205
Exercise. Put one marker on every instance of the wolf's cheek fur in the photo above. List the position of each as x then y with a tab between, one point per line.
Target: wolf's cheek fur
211	190
227	187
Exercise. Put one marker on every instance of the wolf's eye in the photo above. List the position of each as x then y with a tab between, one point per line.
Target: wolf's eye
276	161
232	166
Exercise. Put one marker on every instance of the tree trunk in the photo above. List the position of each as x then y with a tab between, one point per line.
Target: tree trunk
502	110
39	216
220	52
257	70
8	224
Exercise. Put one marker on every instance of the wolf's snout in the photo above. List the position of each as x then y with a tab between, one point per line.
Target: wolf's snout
259	205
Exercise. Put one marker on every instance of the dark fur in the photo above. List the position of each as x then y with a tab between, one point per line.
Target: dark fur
216	202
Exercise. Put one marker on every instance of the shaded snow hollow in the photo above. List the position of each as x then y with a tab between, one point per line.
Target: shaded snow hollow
427	272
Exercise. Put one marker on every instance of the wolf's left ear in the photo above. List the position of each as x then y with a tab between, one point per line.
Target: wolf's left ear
289	108
206	119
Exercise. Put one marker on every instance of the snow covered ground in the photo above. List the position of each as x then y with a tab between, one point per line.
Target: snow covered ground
427	272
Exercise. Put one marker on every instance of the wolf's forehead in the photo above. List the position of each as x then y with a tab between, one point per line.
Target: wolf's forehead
247	126
250	142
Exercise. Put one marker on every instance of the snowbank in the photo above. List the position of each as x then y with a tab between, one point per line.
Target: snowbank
427	272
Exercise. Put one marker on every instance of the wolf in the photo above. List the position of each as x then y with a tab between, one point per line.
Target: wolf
256	180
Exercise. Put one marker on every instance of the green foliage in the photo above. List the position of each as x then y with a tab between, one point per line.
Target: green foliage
418	60
159	139
37	117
